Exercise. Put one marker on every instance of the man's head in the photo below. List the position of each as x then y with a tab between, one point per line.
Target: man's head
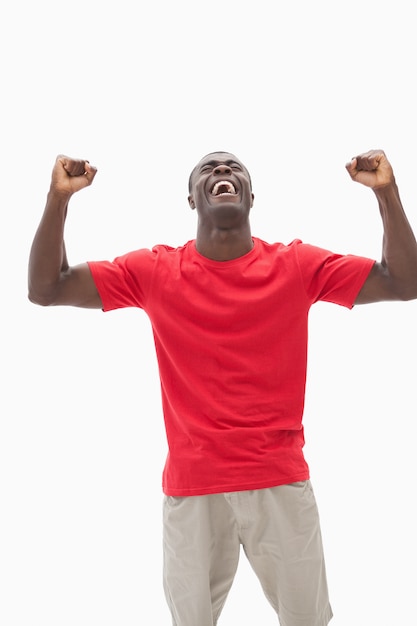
213	155
220	185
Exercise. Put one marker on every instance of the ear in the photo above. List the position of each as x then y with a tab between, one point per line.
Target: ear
253	198
191	202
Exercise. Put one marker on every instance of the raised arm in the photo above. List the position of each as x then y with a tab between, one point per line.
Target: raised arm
51	280
395	276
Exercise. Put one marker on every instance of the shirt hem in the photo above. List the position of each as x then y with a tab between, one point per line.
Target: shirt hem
203	491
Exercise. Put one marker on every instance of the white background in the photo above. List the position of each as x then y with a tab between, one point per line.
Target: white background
143	90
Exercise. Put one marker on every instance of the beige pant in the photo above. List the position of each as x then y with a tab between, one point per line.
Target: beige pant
279	530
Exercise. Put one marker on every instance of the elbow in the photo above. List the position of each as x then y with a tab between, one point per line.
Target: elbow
42	299
401	285
406	292
35	299
409	294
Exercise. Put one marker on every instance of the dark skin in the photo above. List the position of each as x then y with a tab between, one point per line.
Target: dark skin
223	230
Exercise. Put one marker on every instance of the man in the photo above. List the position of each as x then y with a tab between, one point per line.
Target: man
229	317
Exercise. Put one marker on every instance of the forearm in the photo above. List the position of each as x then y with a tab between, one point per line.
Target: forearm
399	248
48	258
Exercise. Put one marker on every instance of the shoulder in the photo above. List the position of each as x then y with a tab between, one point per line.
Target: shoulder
158	253
278	250
309	258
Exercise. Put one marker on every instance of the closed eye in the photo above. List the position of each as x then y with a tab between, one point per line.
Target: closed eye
210	164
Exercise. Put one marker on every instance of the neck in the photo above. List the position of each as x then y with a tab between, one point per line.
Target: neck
224	245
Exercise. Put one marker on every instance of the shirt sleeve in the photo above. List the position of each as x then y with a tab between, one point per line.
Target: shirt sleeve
124	281
332	277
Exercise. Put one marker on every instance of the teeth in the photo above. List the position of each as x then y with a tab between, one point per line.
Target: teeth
223	186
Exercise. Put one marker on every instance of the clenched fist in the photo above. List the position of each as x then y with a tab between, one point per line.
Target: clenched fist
70	175
371	169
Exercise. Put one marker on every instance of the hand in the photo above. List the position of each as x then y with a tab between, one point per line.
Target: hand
371	169
70	175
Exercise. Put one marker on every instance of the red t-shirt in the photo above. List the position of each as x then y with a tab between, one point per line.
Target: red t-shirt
231	344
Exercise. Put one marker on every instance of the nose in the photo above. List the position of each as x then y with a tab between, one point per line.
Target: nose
222	168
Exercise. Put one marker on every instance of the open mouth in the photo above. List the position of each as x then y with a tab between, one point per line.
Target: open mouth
222	188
